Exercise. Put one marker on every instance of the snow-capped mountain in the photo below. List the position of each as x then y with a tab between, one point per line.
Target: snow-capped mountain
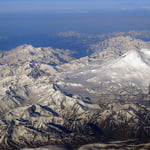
124	76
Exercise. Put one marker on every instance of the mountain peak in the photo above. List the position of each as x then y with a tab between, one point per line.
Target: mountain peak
135	58
130	70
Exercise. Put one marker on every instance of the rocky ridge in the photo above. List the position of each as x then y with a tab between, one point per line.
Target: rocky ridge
27	53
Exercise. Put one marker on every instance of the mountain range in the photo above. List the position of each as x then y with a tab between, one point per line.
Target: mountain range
49	98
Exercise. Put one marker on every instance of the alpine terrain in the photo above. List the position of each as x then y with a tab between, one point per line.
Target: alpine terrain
51	100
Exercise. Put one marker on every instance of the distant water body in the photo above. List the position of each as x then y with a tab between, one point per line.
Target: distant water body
39	29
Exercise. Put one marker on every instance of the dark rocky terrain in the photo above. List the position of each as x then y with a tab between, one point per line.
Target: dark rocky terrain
48	98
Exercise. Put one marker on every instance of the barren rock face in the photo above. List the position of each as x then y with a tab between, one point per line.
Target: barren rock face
80	102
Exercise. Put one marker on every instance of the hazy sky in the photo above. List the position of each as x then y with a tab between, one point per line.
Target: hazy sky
70	5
